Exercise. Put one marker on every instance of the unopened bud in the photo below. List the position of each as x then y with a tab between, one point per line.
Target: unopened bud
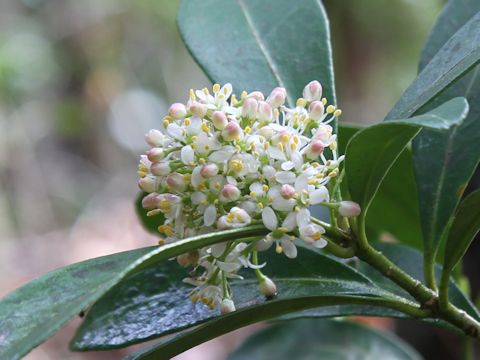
232	131
150	201
266	132
314	149
277	97
313	91
227	306
209	170
257	95
147	184
161	168
287	191
267	287
349	209
230	192
198	109
317	110
155	154
264	111
175	181
219	120
177	111
154	138
249	108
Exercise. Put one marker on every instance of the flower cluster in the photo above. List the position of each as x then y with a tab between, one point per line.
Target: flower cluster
222	162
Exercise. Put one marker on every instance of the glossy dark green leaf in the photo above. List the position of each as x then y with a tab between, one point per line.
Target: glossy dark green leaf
465	226
397	193
445	162
258	45
372	151
155	302
33	312
457	55
150	223
59	295
323	339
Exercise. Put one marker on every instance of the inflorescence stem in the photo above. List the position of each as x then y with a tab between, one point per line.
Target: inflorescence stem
428	298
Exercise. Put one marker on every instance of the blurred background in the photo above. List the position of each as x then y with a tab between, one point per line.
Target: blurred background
80	84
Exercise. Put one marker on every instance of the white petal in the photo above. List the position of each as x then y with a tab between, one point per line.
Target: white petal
198	197
175	131
231	180
257	188
301	183
269	218
297	160
196	176
218	249
210	215
320	243
285	177
276	153
290	221
288	165
303	218
282	204
187	155
220	156
228	267
289	248
319	195
264	244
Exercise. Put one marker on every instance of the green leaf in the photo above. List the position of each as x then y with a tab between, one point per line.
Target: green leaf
257	46
150	223
325	339
372	151
397	192
154	302
33	312
458	55
445	162
30	314
465	226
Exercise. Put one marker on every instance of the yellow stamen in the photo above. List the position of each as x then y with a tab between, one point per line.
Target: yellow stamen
216	88
265	188
337	113
187	121
324	101
330	109
301	102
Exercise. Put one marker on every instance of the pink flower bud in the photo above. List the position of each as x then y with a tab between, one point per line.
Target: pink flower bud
150	201
314	149
160	168
227	306
230	192
257	95
287	191
198	109
209	170
266	132
277	97
147	184
154	138
349	209
249	108
175	181
313	91
264	111
155	154
232	131
177	111
219	120
267	287
316	110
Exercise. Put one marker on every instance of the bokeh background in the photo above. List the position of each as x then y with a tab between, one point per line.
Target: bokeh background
80	84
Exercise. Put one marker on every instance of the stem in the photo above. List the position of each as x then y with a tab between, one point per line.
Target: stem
443	290
426	296
337	250
429	268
